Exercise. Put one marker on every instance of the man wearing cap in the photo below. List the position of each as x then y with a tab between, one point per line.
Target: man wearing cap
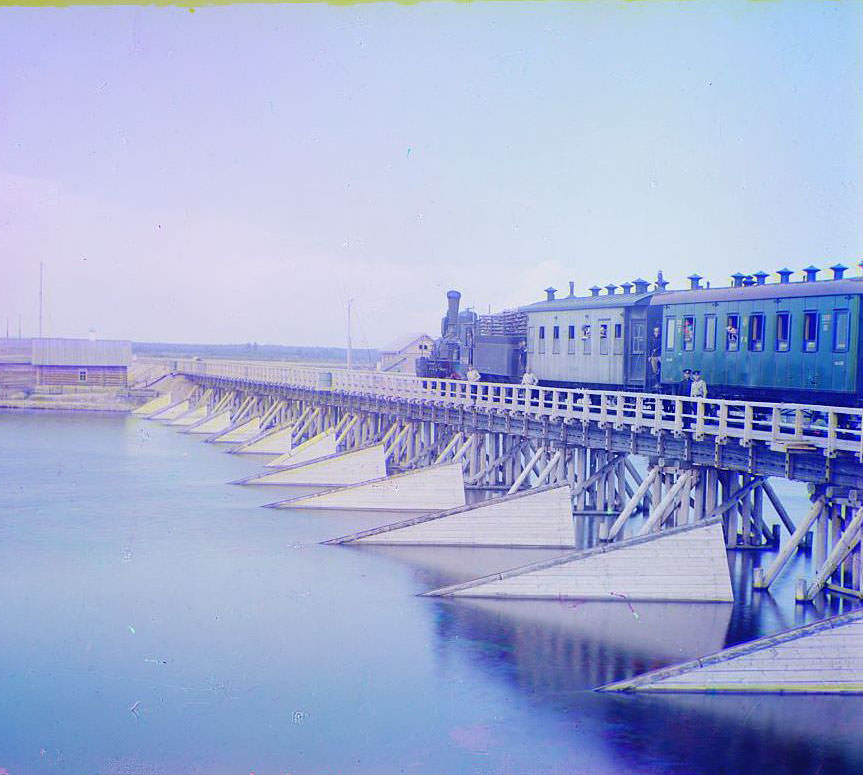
684	387
699	386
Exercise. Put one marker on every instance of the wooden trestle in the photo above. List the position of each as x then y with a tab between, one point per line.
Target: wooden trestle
668	462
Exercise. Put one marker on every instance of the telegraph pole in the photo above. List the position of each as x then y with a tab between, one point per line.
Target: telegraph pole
40	299
350	353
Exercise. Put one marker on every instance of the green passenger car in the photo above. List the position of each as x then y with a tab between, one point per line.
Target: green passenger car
793	342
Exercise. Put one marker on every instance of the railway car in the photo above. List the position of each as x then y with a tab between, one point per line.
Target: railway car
782	341
597	341
797	342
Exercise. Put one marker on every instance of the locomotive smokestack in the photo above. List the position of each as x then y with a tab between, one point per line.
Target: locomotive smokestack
452	300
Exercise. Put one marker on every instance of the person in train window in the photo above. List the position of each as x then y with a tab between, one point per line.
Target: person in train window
687	330
731	334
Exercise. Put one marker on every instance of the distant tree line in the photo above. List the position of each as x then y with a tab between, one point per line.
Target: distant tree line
362	357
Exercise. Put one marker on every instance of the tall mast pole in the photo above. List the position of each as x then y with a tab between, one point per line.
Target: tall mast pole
350	353
40	299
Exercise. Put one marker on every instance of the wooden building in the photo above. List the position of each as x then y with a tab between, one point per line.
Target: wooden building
16	364
400	357
26	364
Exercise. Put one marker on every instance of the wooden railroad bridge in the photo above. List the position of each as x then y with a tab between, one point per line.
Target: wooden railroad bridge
700	461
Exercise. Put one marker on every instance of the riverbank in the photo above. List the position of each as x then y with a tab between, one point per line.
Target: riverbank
122	401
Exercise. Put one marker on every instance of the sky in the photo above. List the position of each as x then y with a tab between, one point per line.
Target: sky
238	173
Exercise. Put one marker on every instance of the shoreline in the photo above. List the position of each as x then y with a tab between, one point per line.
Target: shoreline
26	404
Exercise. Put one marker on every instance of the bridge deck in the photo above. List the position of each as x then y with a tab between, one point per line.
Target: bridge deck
784	427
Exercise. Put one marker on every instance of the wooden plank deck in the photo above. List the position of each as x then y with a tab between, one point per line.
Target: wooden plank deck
173	411
685	563
341	468
215	423
427	489
535	518
825	657
318	446
273	442
154	405
243	432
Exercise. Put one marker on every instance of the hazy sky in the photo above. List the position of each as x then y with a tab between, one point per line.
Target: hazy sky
237	173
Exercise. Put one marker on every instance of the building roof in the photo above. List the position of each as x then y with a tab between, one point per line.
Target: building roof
16	350
81	352
403	342
605	300
850	285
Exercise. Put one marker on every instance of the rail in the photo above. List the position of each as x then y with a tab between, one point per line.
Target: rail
783	426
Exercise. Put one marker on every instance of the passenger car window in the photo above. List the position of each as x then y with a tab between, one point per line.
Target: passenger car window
603	337
810	332
669	333
555	340
732	332
840	330
710	332
756	332
585	338
783	331
570	345
689	332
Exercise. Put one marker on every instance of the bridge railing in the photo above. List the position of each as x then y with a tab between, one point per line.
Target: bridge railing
783	426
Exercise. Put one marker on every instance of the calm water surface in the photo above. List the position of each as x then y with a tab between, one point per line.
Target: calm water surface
156	620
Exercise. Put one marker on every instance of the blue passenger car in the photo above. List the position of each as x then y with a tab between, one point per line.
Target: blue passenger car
786	341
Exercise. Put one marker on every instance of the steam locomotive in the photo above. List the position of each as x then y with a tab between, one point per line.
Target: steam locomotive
494	345
780	341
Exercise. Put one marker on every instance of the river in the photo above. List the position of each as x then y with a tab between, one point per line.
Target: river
156	620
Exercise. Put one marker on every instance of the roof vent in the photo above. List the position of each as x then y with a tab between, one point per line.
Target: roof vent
737	279
627	288
694	281
661	282
571	289
760	278
838	271
811	273
641	285
549	293
784	275
611	288
748	281
594	290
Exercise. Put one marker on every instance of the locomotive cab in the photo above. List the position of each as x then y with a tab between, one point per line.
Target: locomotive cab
493	344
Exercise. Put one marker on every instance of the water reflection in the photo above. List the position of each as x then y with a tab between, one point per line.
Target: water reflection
573	646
